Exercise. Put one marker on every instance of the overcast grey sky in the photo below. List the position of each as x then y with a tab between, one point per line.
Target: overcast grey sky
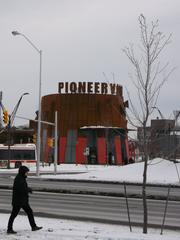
80	40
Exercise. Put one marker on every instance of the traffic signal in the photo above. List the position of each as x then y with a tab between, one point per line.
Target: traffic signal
5	117
50	142
34	138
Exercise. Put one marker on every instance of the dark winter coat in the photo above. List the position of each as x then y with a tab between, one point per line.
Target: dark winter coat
20	188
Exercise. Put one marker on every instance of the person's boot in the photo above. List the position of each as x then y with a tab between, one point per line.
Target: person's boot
36	228
11	231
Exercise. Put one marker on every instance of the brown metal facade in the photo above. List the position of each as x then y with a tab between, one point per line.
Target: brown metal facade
90	116
79	110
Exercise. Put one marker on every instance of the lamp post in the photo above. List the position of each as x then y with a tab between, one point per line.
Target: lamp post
160	113
15	33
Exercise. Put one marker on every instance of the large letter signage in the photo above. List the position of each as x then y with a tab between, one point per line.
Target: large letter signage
90	88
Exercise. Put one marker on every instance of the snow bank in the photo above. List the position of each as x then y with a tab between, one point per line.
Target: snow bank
160	171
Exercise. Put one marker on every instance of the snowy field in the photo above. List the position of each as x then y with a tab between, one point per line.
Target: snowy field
160	171
54	229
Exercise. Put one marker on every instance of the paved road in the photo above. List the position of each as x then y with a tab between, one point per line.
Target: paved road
111	189
97	208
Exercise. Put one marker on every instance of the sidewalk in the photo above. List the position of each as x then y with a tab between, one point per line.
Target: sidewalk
76	230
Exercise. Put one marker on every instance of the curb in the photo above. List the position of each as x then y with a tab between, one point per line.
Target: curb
98	193
109	182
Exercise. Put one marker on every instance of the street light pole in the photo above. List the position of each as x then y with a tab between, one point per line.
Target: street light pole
39	119
55	144
15	33
160	113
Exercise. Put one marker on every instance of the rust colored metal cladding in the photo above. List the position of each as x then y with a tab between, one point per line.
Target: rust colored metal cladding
90	115
76	110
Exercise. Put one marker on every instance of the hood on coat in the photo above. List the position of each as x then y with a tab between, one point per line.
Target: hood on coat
23	170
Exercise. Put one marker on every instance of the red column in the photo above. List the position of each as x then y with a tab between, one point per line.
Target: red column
101	146
127	147
134	151
118	151
62	149
80	146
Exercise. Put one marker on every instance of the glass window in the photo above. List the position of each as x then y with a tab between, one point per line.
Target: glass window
17	154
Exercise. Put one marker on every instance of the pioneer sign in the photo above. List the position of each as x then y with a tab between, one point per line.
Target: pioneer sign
90	88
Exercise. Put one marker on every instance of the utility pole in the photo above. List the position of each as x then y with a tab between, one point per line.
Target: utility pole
9	141
55	145
0	109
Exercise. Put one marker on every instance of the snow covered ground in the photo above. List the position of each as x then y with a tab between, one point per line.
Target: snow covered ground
160	171
58	229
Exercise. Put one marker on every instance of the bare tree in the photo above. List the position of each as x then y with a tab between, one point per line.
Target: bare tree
148	79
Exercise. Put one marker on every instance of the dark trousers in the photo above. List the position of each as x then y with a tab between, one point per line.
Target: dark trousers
15	212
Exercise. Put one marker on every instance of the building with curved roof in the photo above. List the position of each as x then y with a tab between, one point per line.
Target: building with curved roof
92	124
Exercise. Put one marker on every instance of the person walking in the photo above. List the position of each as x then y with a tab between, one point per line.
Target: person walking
20	199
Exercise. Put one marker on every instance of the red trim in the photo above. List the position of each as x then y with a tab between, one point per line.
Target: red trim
24	161
62	149
127	148
118	151
101	146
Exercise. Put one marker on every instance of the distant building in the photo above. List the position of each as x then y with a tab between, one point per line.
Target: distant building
163	138
162	142
21	134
